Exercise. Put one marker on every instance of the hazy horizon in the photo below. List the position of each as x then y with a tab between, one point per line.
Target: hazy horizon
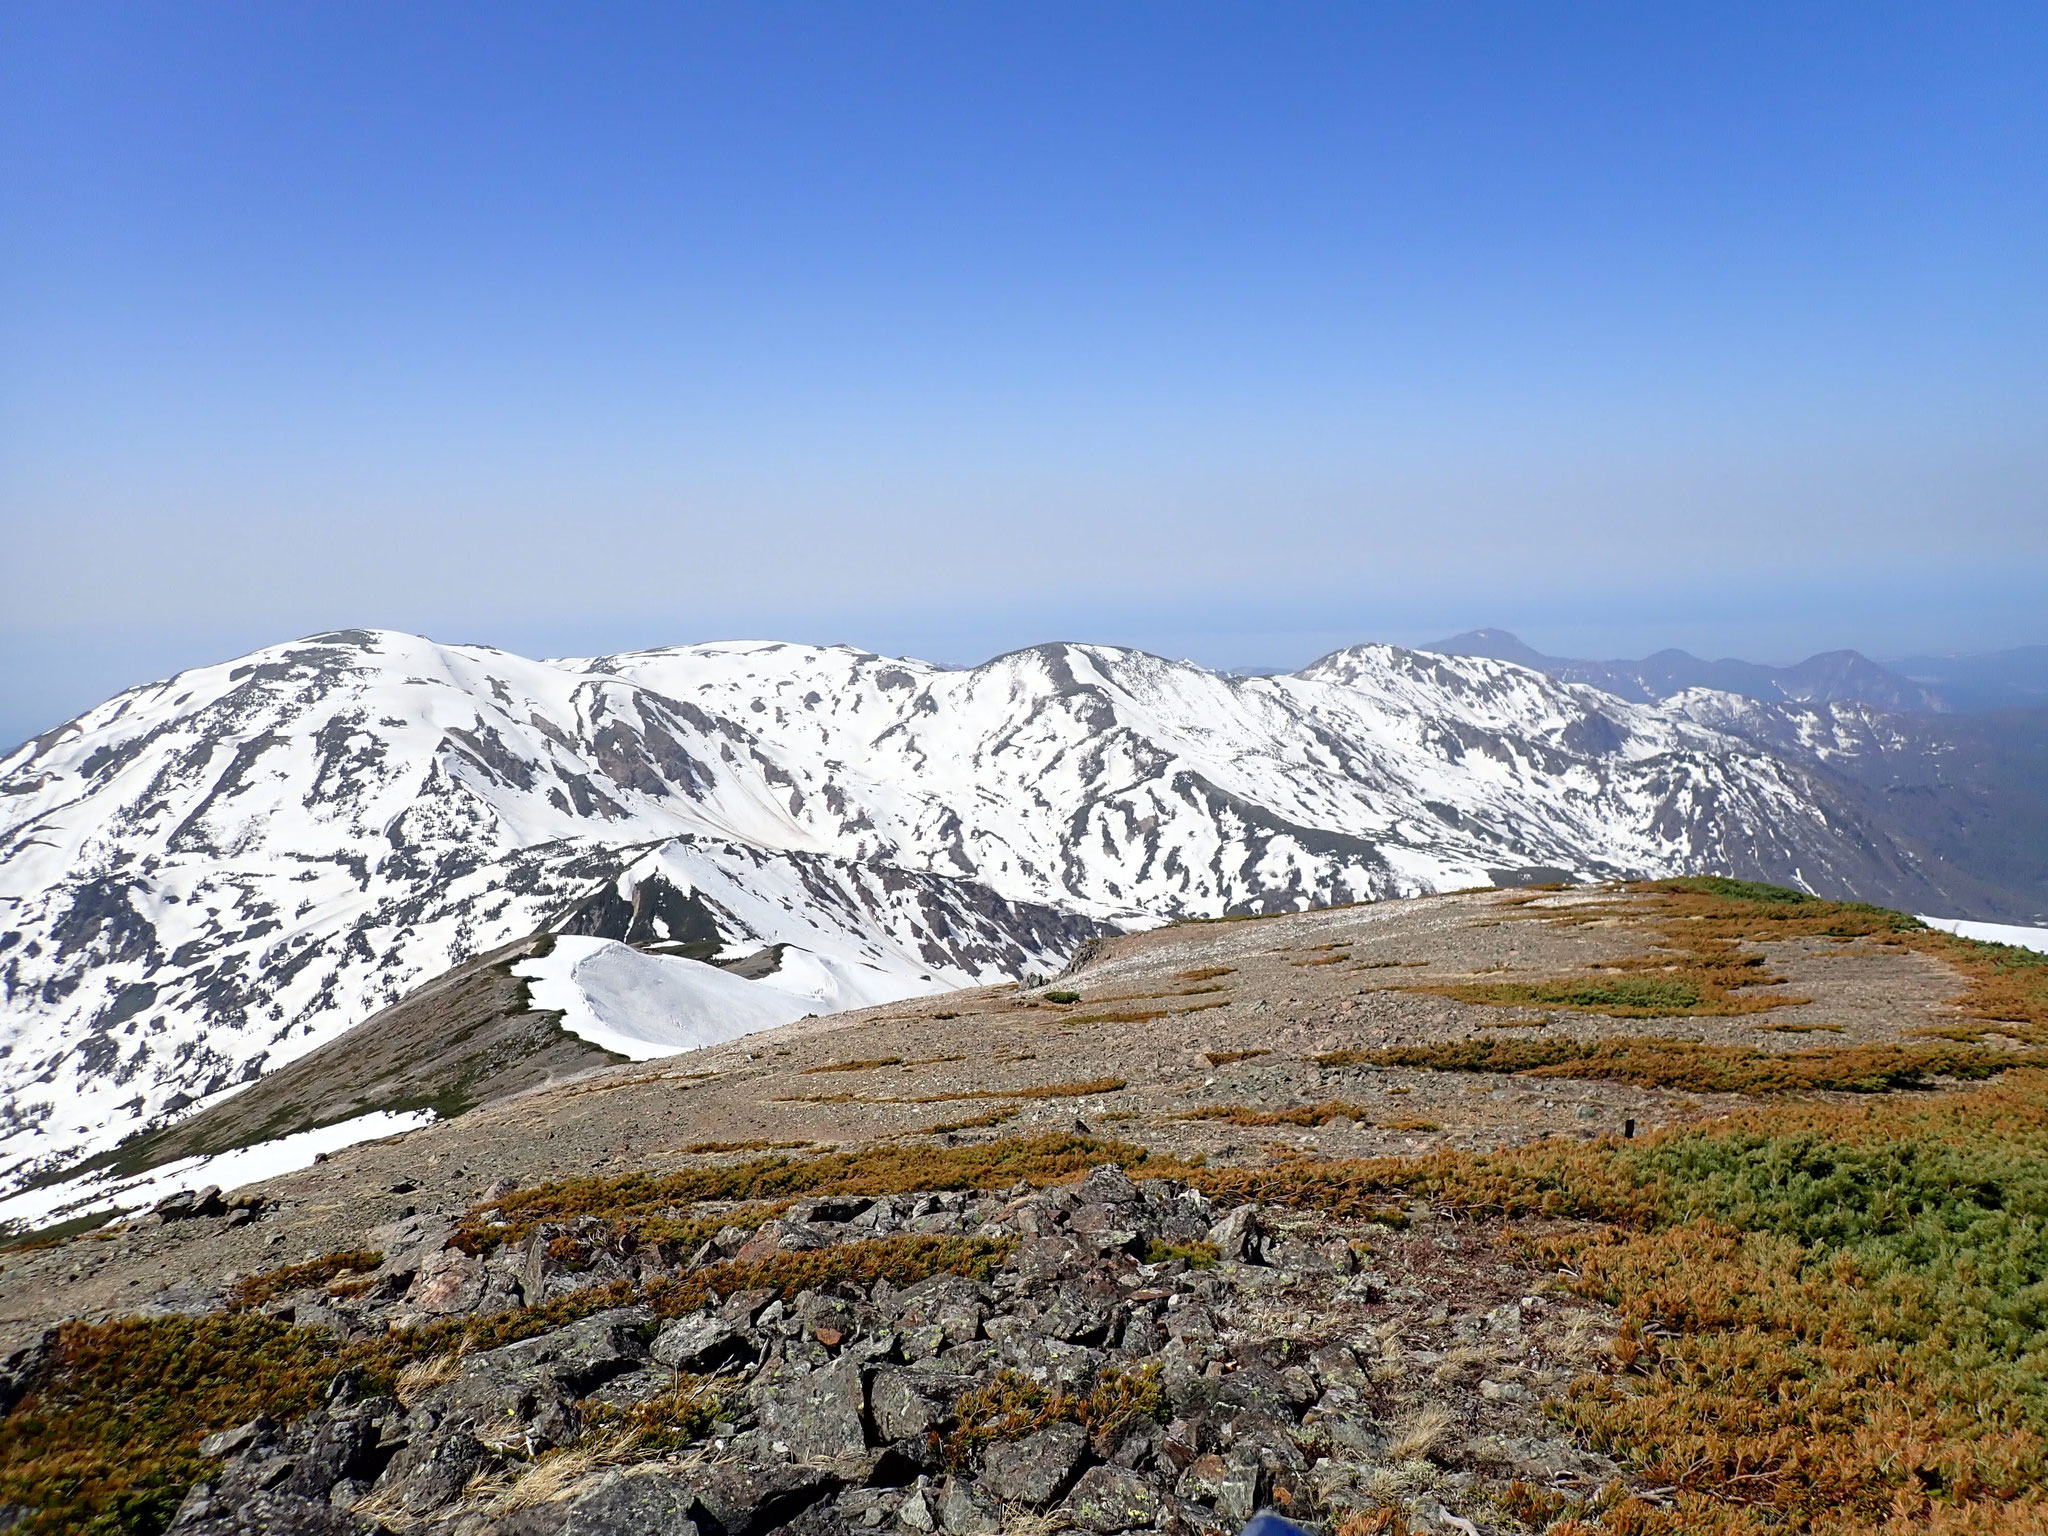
1236	335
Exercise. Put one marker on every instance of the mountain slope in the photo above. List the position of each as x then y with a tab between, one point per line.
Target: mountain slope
205	879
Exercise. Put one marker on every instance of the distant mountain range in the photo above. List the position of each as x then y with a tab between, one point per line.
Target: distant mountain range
204	879
2014	679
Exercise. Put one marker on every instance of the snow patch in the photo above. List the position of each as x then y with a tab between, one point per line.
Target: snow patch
1991	933
641	1006
92	1193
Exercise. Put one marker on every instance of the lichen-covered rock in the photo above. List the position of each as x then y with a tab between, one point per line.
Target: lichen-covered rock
1037	1469
697	1344
1109	1499
820	1413
738	1499
1239	1236
907	1404
965	1509
641	1503
429	1472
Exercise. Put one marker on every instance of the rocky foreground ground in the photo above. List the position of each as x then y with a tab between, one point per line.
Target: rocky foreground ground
1108	1354
1300	1364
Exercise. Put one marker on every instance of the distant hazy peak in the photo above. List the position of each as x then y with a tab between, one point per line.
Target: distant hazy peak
1819	679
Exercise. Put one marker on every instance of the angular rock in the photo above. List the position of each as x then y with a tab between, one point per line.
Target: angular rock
1048	1258
905	1405
233	1442
1240	1236
820	1413
634	1504
269	1515
1338	1367
1108	1499
774	1237
737	1499
698	1344
1037	1469
337	1449
954	1303
965	1510
430	1472
587	1352
20	1368
1203	1478
830	1208
916	1512
1080	1314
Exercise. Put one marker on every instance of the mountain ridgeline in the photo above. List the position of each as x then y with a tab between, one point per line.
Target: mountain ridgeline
205	879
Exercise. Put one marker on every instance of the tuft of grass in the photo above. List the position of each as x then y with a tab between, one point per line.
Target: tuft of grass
1301	1114
1205	973
674	1421
1625	997
699	1148
855	1066
972	1122
252	1291
1650	1061
1738	890
1079	1090
1225	1058
1061	997
1013	1406
1197	1255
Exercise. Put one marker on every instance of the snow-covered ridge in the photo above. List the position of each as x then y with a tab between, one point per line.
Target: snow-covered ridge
204	878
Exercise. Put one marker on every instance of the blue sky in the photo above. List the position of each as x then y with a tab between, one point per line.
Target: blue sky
1237	332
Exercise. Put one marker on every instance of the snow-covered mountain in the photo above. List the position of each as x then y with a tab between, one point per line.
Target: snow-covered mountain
203	879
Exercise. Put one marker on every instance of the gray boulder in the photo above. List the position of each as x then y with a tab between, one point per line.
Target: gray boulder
1037	1469
1110	1499
963	1509
821	1413
1240	1236
429	1472
739	1499
698	1344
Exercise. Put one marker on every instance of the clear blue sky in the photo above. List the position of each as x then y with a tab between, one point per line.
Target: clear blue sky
1236	331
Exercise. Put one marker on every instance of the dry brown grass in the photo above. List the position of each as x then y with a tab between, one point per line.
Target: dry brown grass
971	1123
1078	1090
1652	1061
1303	1114
1424	1431
422	1376
253	1291
1225	1058
1140	1015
